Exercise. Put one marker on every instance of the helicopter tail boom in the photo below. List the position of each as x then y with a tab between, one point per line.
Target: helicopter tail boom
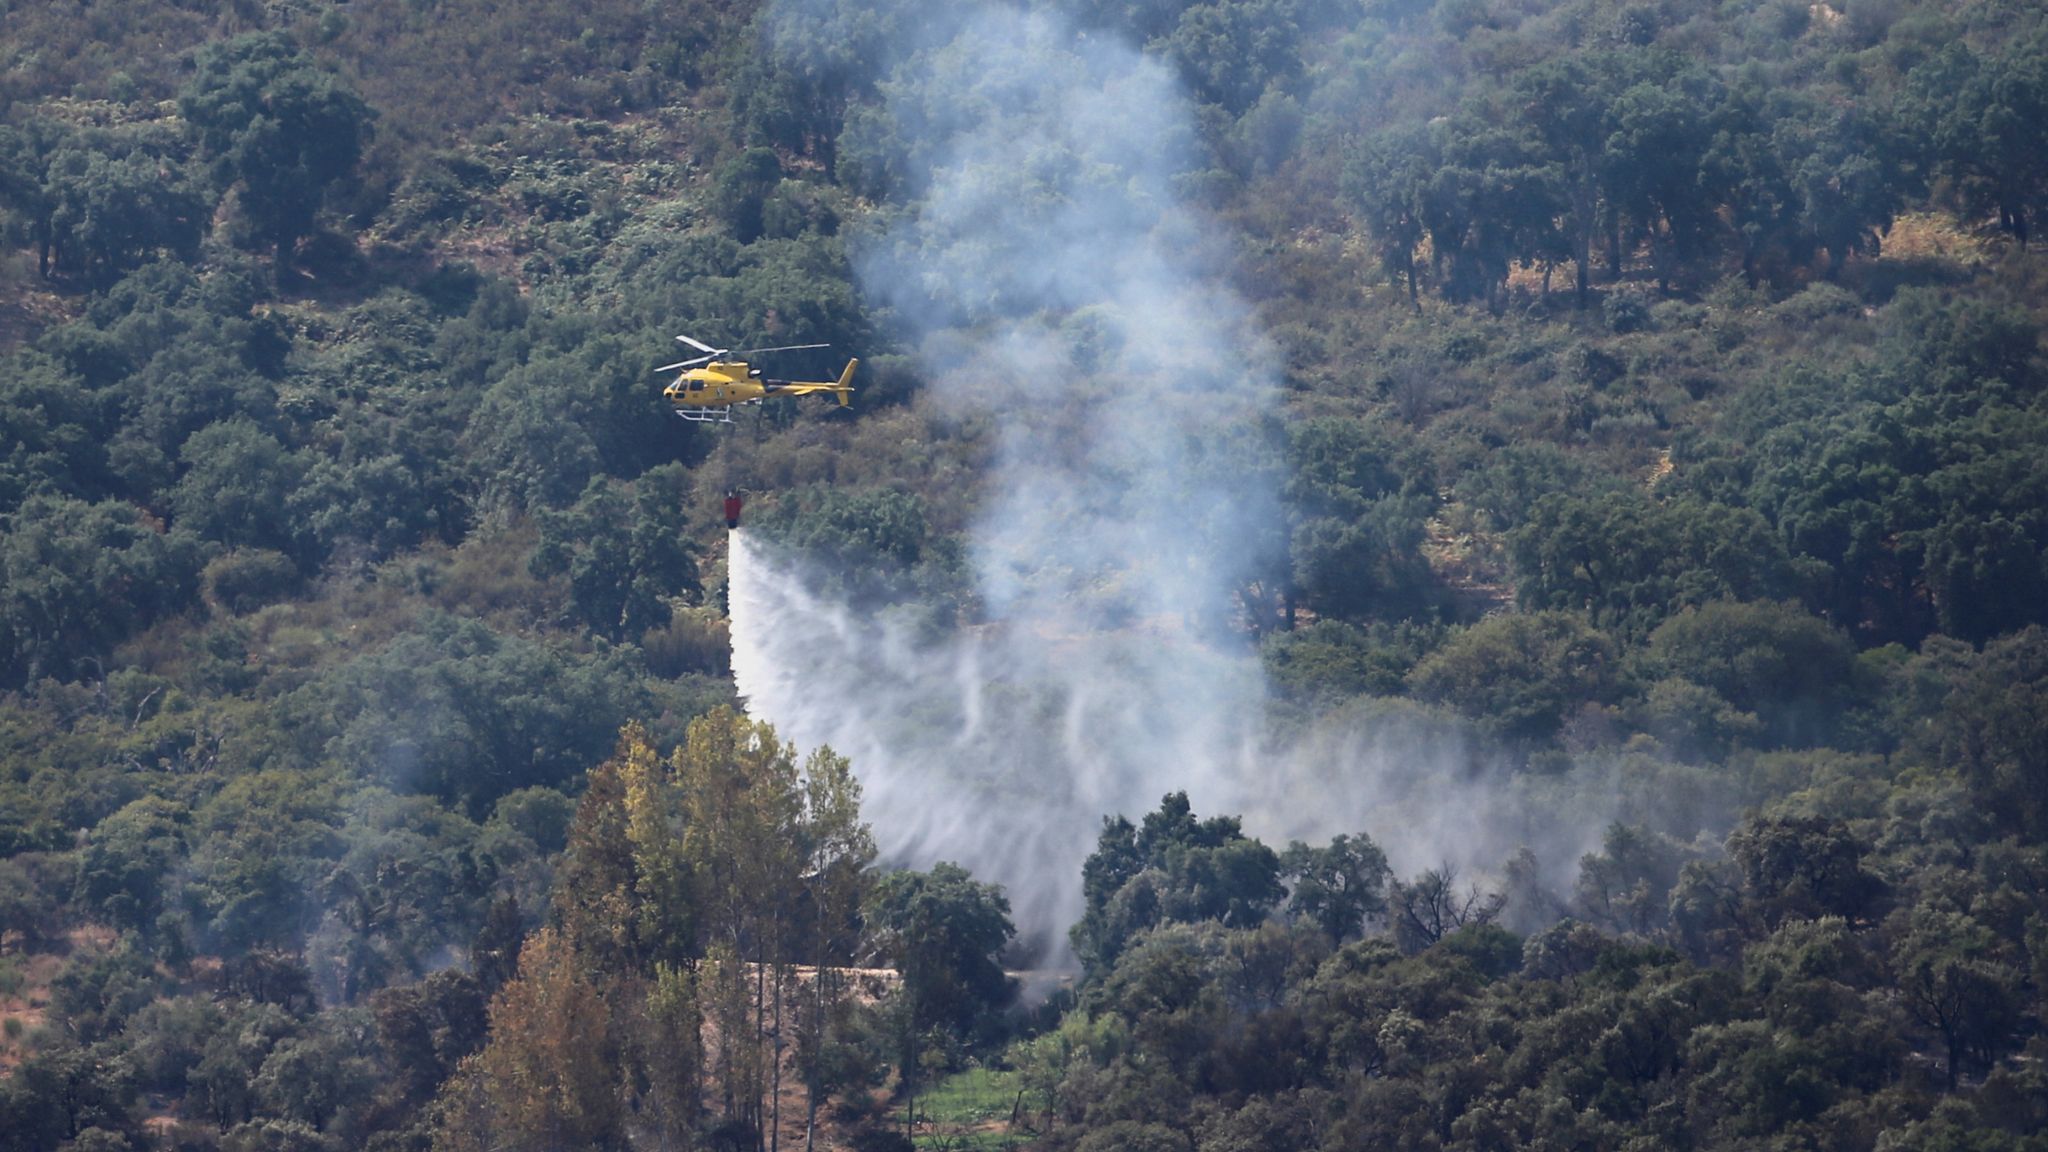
845	388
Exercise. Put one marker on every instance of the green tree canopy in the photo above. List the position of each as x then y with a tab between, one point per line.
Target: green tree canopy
1521	674
276	127
1171	868
943	931
1772	659
78	578
1340	886
624	553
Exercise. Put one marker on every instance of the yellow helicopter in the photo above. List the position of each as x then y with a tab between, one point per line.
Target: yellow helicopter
712	384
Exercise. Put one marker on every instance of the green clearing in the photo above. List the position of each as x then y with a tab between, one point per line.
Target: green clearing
970	1110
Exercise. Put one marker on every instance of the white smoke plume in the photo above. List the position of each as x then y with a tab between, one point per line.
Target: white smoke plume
1056	282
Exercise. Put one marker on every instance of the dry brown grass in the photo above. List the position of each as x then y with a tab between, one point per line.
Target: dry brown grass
1659	469
28	309
1467	559
1933	236
29	1004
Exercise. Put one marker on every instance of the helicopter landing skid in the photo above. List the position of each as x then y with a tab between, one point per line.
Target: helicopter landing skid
706	416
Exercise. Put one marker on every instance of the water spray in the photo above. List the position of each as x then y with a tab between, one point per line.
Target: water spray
1052	280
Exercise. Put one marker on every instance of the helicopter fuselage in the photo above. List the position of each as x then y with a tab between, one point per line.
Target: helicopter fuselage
708	391
718	384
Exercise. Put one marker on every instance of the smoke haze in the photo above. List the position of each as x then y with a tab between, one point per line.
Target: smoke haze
1052	279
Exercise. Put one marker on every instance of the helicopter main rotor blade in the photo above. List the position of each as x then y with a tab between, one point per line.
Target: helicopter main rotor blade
687	363
699	345
781	348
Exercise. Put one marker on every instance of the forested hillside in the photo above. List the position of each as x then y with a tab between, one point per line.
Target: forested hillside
1641	399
